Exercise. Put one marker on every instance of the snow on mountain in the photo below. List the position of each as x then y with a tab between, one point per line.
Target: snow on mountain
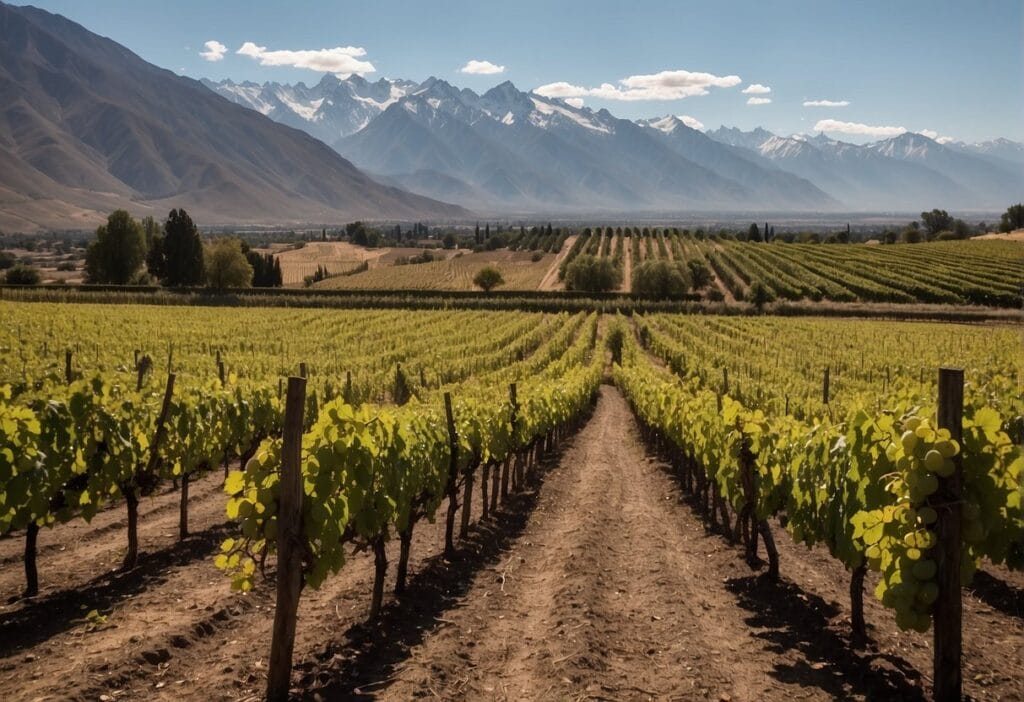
518	150
329	110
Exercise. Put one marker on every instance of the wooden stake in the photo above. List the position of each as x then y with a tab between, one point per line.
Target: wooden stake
824	386
453	465
948	608
289	544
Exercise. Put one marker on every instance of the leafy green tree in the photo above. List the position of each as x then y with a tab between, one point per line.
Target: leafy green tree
182	251
592	274
156	262
759	294
700	274
1012	219
118	252
7	260
226	266
22	275
659	280
488	278
912	233
753	234
936	221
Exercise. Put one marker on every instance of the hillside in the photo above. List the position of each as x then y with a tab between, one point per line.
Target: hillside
86	126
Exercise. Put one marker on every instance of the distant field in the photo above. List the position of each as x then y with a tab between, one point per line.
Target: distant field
980	272
455	273
336	257
986	271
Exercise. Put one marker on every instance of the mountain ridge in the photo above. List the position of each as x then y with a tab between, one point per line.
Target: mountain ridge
87	126
508	133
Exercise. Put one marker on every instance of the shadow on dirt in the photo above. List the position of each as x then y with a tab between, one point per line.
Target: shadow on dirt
360	663
45	616
790	619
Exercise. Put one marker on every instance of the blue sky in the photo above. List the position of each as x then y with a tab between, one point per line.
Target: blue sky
955	69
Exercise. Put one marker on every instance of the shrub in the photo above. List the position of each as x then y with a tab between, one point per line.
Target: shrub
592	274
488	278
760	294
660	280
700	274
537	256
22	275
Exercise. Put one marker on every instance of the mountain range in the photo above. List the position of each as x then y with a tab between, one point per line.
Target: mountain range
87	126
511	150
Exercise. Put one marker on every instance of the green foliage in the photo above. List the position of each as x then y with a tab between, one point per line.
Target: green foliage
592	274
22	275
488	278
182	251
226	265
1012	219
700	274
660	280
118	252
936	221
760	294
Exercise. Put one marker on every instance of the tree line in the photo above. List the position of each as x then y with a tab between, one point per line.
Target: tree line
128	251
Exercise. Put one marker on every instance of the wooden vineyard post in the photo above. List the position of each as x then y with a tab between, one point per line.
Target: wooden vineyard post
824	386
467	500
141	367
453	466
131	495
68	376
948	608
289	544
302	371
220	370
725	381
513	399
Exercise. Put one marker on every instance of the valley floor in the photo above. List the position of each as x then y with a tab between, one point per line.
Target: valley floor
598	582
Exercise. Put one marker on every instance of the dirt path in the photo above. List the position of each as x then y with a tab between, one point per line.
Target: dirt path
550	280
597	583
627	269
611	592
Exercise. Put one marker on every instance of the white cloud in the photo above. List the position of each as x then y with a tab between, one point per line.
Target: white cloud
934	135
561	89
758	101
481	68
214	50
691	122
574	102
856	128
341	60
666	85
756	89
826	103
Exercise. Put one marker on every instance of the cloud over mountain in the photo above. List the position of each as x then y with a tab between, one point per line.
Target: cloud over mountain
483	68
214	51
341	60
835	126
665	85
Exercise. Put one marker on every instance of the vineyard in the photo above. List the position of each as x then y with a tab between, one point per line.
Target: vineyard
975	272
239	502
950	272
